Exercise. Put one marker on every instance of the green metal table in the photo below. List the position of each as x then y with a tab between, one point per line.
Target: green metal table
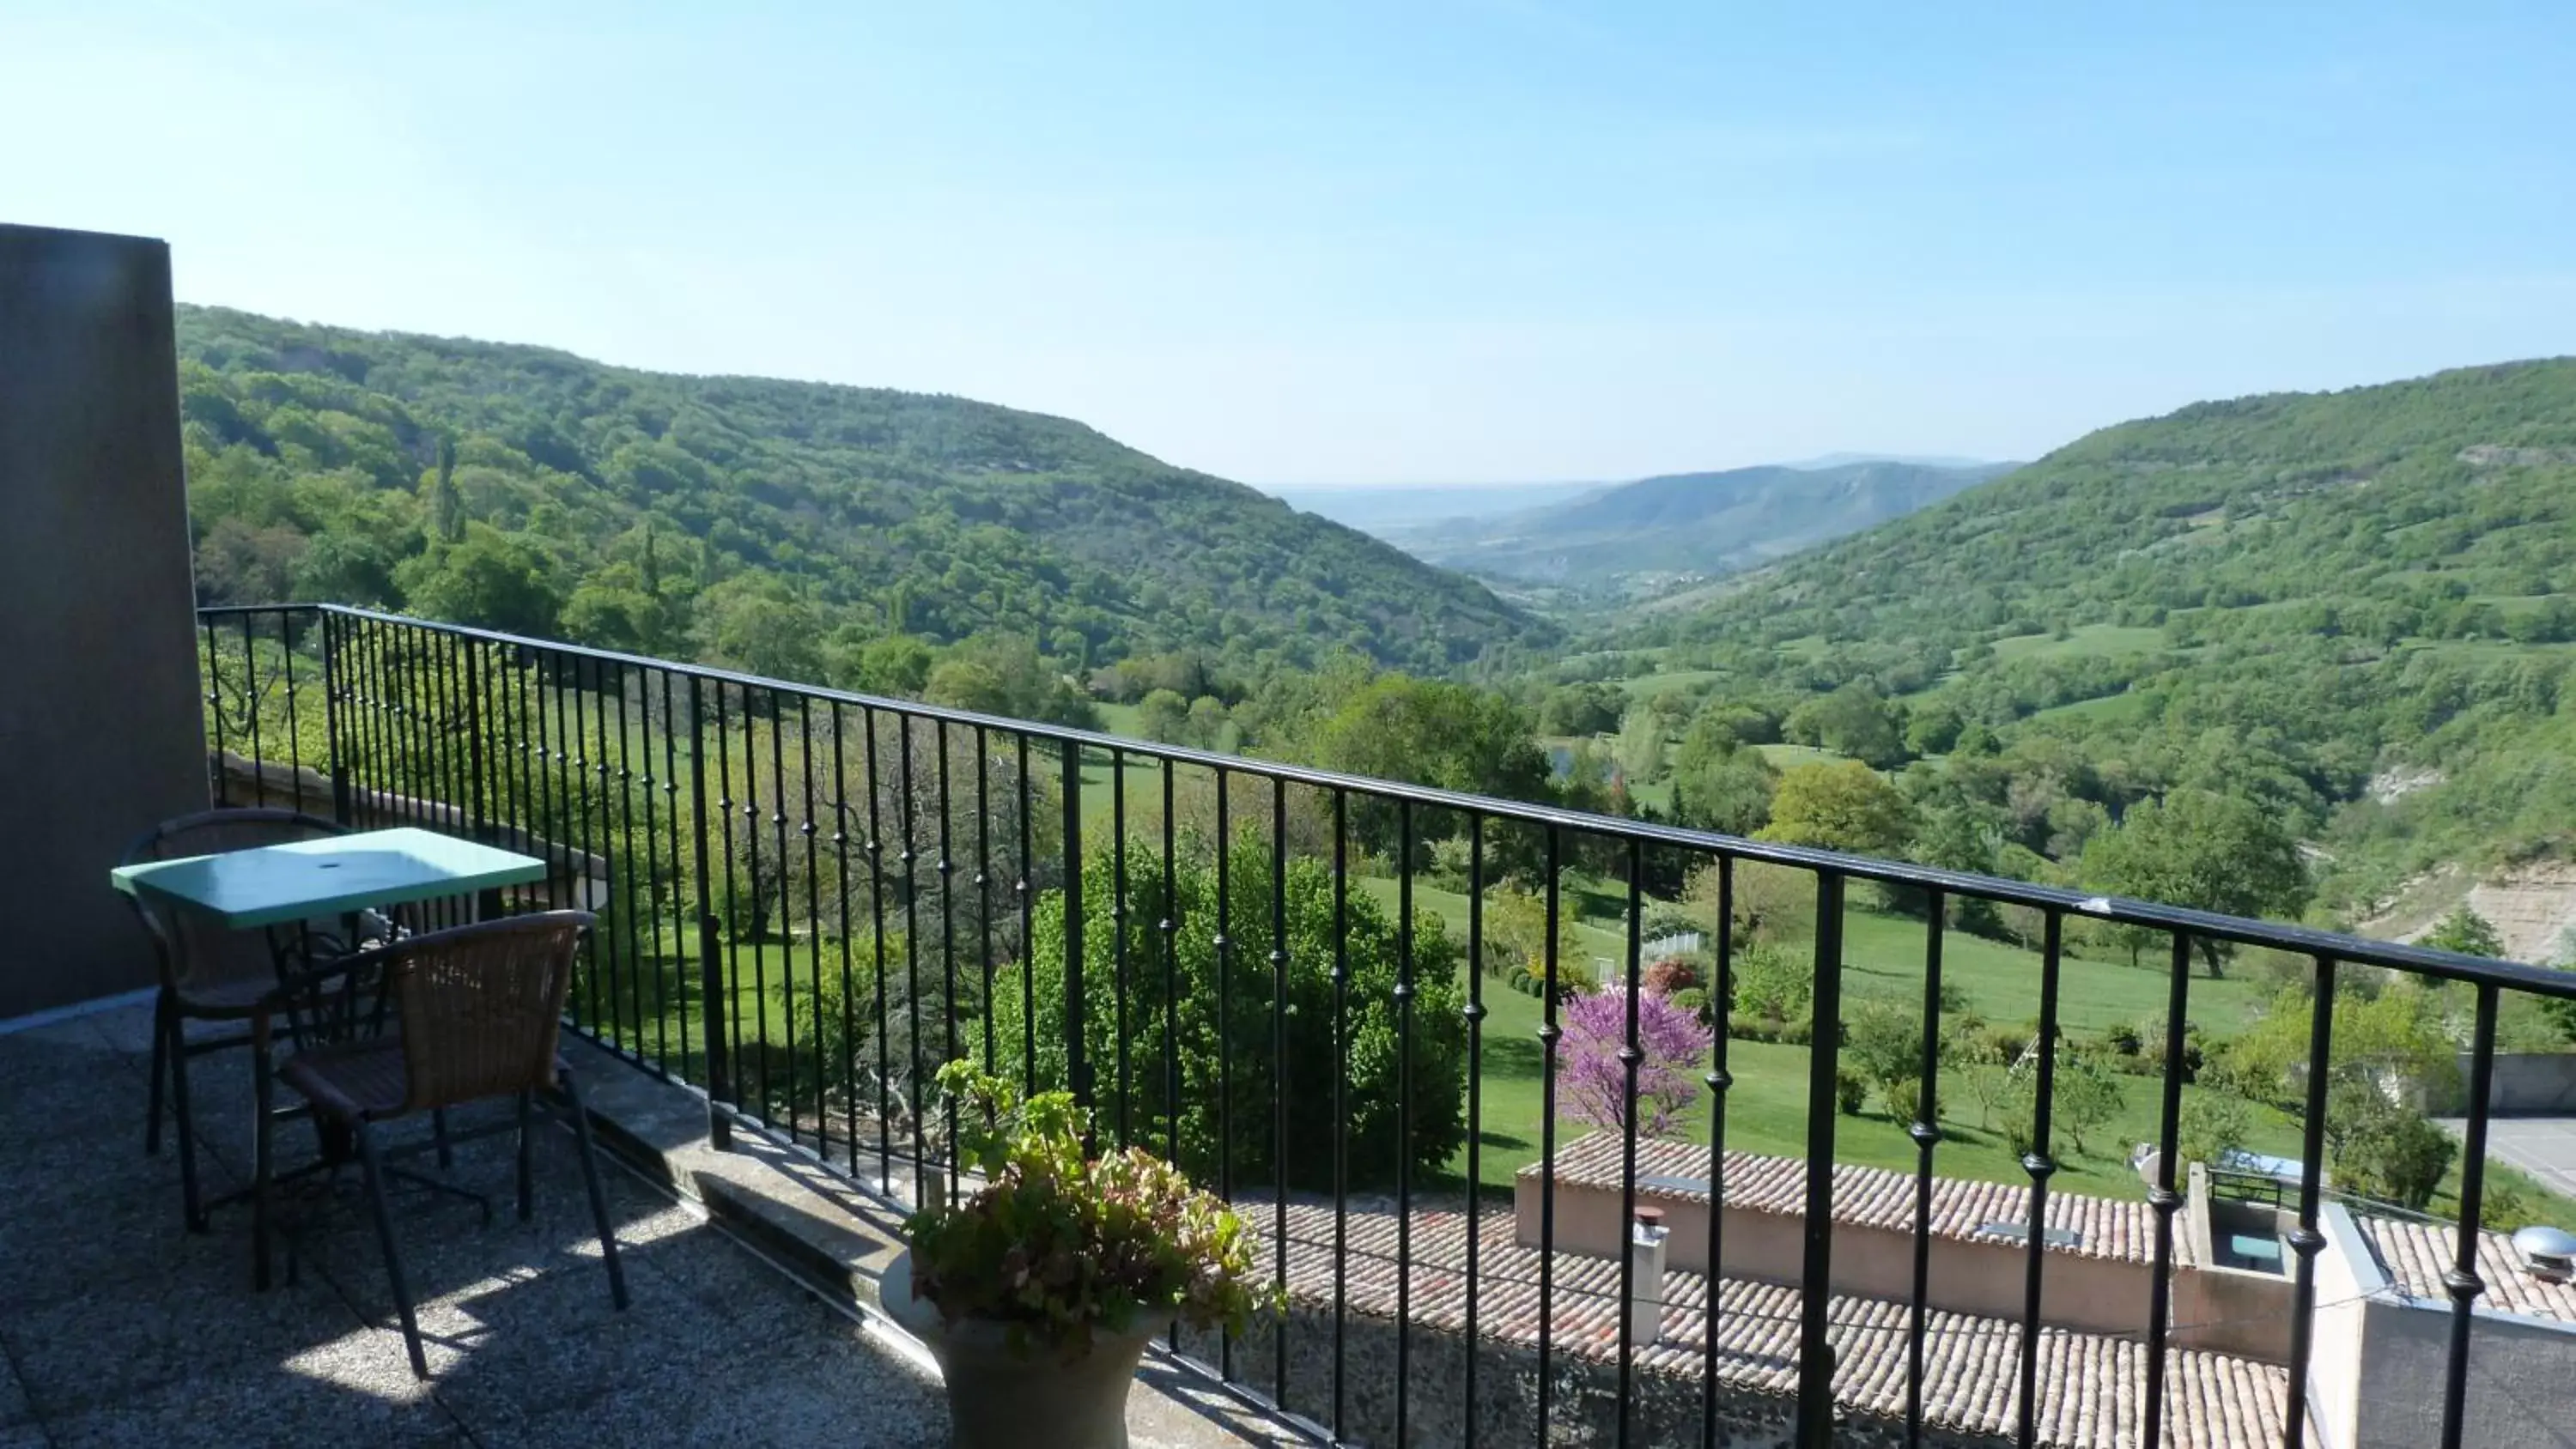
306	880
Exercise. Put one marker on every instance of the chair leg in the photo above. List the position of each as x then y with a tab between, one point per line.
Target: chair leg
438	1132
598	1198
376	1201
263	1095
527	1172
190	1203
160	1065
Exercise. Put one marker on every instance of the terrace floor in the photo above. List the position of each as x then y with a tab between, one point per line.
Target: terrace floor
118	1327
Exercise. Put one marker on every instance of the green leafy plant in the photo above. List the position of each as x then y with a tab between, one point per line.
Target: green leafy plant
1851	1092
1057	1245
2212	1124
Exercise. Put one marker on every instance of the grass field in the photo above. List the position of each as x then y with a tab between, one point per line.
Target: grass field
1647	686
2081	641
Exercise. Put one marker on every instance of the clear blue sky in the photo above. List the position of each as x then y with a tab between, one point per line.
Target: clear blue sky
1319	243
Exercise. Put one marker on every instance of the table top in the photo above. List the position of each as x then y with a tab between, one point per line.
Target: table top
306	879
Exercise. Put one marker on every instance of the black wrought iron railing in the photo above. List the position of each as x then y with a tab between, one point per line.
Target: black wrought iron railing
809	899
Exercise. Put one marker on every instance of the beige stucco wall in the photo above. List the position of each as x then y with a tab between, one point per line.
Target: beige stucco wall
2376	1374
2248	1311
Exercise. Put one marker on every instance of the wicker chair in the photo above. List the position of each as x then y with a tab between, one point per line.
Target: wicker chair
207	973
475	1014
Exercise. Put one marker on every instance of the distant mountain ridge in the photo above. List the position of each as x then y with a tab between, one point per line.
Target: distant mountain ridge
1376	510
1690	523
743	518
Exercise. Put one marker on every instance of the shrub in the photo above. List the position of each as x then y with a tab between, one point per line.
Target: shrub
2123	1040
1906	1103
1851	1093
1752	1028
1801	1032
1883	1041
1768	981
2502	1208
1592	1079
1695	1000
2383	1150
2006	1044
1671	974
1238	1046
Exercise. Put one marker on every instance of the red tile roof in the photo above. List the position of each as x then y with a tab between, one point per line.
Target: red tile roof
2092	1384
2416	1255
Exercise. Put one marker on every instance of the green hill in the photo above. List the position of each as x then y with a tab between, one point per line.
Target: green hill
1687	523
733	517
2284	598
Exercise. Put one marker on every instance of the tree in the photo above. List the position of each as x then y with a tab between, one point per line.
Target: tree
758	627
1007	676
2213	1124
1516	936
1933	727
1731	793
1209	726
2383	1150
884	665
1640	750
1136	1025
1592	1077
2466	932
1854	721
1426	732
2206	851
497	580
1580	709
1839	805
1163	717
446	511
2085	1096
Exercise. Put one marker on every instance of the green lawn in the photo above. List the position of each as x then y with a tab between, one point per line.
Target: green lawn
2082	641
1783	757
1647	686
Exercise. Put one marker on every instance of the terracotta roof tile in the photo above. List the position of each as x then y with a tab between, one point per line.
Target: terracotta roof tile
2416	1256
2113	1228
2093	1384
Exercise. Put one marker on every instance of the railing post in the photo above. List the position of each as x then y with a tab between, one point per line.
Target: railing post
1815	1275
1077	1064
488	905
331	686
711	982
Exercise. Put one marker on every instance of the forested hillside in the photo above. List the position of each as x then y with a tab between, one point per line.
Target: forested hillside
1687	523
2355	610
780	526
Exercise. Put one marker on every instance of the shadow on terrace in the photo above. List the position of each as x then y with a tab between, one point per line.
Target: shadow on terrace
119	1327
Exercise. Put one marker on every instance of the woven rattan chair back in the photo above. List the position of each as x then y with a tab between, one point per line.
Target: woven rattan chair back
197	957
480	1006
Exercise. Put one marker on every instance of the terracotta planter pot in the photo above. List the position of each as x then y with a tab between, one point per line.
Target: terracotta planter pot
1001	1399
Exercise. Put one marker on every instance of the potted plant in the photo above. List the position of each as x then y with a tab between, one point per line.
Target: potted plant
1038	1291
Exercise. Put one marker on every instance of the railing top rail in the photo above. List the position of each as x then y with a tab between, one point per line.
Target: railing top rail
2305	940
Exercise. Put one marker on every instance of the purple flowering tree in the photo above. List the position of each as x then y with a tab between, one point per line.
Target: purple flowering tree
1593	1083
